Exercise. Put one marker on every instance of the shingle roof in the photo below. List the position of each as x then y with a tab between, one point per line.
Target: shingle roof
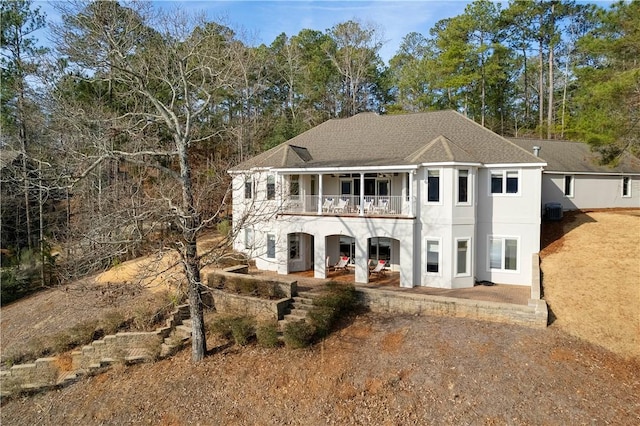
575	157
369	139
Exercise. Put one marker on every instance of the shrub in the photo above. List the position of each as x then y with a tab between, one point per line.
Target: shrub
242	330
267	334
298	334
220	326
78	335
112	321
337	301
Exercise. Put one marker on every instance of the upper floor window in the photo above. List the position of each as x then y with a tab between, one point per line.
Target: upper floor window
248	188
433	186
463	186
504	182
568	186
294	186
271	187
626	186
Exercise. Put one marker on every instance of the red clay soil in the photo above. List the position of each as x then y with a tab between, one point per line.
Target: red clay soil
382	370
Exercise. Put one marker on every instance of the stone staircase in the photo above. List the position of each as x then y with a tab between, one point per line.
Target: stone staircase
126	348
298	309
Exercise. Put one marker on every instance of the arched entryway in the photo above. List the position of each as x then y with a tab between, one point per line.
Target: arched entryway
299	252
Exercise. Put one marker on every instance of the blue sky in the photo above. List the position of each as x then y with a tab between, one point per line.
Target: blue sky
262	21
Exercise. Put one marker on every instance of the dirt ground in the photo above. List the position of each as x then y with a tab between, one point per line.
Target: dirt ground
584	368
592	277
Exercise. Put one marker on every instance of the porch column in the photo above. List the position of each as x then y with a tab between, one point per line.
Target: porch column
279	192
320	192
362	260
362	195
320	256
410	189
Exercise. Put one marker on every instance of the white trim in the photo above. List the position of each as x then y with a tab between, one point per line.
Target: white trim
470	191
502	254
468	258
618	174
514	165
333	170
572	190
426	256
440	186
504	192
450	163
629	187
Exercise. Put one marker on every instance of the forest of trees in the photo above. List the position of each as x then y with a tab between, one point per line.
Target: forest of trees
115	141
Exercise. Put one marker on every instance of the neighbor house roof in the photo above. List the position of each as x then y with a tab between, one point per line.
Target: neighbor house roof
370	140
575	157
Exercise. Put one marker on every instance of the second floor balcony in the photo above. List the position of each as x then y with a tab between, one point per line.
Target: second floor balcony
349	205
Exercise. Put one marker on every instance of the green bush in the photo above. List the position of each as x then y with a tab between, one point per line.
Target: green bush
298	334
221	326
17	282
337	301
243	329
267	334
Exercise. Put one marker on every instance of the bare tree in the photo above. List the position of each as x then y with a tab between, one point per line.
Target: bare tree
162	73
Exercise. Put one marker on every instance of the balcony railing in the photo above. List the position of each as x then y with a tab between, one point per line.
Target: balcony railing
388	205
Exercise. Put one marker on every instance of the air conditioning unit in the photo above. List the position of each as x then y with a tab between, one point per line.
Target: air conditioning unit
553	211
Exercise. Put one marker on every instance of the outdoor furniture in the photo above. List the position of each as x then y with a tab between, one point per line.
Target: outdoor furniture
379	270
367	206
342	206
342	264
328	205
382	207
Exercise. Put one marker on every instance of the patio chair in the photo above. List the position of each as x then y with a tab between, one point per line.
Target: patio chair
382	207
342	264
328	264
328	205
368	206
379	269
342	206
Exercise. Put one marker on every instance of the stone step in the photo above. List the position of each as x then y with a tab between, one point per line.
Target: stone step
67	377
183	331
187	322
301	306
296	314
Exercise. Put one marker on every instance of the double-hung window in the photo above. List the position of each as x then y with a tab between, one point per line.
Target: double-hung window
505	182
433	186
271	187
503	253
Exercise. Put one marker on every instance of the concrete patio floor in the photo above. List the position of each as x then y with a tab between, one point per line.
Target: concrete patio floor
513	294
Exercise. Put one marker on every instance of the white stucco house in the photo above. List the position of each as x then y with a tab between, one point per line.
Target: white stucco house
576	180
440	199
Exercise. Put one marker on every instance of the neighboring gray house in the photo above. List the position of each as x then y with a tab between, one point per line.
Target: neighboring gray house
574	178
434	196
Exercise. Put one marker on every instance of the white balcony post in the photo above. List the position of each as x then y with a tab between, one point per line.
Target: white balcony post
361	194
320	191
410	189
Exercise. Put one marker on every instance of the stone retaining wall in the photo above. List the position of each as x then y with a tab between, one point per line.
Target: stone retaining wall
420	304
262	309
48	372
234	276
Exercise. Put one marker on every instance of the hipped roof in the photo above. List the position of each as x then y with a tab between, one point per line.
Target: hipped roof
370	140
